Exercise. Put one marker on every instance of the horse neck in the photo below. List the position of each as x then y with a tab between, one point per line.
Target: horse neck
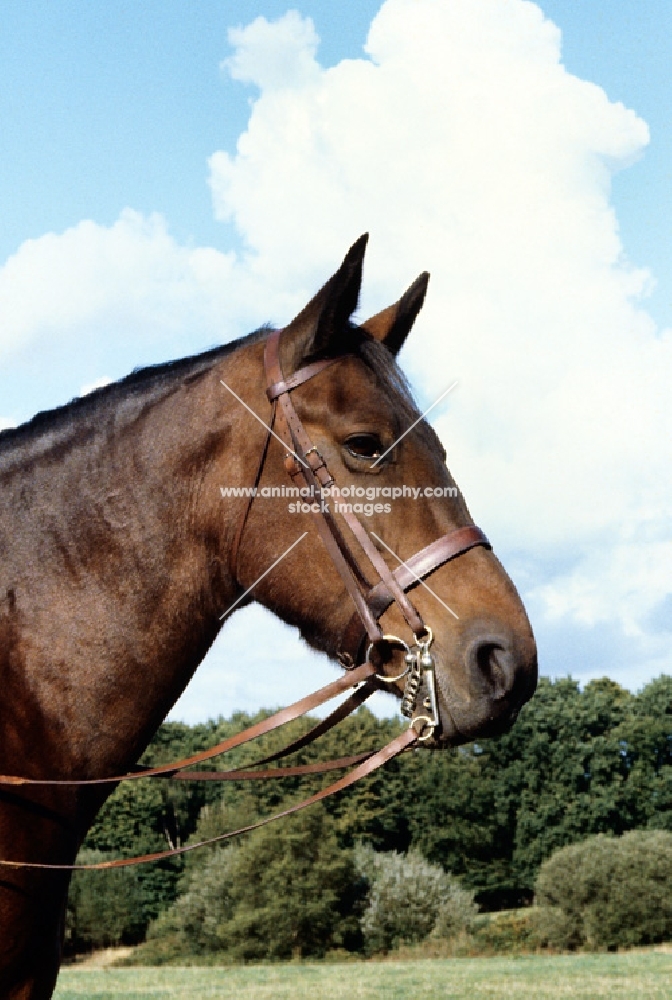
178	552
121	576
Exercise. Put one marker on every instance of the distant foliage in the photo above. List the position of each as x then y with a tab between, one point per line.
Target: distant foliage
283	892
105	908
505	932
608	892
578	762
409	898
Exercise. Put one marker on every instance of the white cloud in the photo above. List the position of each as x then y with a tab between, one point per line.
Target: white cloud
6	423
295	671
465	147
129	282
274	55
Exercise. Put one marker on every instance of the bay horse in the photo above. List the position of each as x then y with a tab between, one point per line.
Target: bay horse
116	568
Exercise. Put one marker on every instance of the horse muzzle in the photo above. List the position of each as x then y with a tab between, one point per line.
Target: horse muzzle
483	683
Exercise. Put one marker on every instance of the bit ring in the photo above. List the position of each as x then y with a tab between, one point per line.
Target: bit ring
429	724
393	640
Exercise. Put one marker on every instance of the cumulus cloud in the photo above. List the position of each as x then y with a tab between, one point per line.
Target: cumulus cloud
107	280
296	671
274	56
465	147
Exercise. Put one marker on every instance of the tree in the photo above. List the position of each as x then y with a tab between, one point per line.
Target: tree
284	891
105	908
577	763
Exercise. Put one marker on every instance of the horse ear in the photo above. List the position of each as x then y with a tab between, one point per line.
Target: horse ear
392	325
321	326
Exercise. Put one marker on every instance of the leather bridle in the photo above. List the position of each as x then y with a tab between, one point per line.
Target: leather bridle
305	465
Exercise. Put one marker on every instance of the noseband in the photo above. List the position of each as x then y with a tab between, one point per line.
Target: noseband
307	468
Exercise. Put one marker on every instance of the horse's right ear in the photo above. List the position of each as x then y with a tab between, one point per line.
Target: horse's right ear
393	325
322	326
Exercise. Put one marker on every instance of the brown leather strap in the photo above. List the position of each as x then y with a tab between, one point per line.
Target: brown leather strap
415	568
235	548
387	578
393	749
285	715
317	470
300	375
438	552
316	475
342	711
296	439
265	774
347	707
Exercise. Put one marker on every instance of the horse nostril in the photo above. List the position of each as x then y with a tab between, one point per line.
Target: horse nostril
493	664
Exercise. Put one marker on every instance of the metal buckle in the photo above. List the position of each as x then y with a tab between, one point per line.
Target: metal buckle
319	464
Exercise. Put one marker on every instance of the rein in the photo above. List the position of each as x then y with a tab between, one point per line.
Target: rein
402	742
303	462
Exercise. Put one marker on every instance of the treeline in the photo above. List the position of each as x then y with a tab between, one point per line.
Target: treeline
577	763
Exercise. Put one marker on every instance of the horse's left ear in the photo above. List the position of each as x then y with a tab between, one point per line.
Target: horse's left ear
322	327
392	325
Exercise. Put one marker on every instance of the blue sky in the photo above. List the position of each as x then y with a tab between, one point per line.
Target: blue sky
110	105
106	108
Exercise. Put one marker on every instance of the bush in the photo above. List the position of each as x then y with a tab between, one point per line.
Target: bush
608	892
506	932
410	898
286	891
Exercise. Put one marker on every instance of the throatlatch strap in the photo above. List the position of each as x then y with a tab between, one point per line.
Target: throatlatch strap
238	537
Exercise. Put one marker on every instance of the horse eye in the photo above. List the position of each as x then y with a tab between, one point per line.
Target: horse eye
364	446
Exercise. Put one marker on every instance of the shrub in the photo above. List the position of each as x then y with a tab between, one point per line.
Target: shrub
608	892
409	898
504	932
285	891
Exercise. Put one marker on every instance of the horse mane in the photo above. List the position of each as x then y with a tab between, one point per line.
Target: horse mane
76	420
149	384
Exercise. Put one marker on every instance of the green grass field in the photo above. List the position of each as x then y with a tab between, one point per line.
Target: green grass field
632	975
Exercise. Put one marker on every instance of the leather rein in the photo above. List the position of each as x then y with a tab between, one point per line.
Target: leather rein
306	466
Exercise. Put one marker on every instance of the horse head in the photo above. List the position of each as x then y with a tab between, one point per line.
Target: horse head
388	464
